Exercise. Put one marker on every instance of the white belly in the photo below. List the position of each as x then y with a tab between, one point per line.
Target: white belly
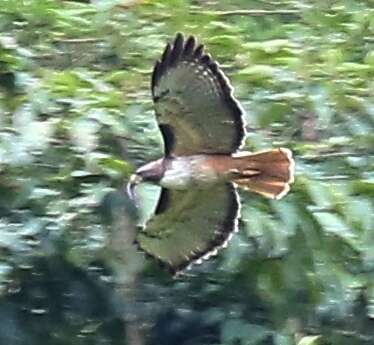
183	172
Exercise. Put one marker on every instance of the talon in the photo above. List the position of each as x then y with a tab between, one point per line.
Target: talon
134	180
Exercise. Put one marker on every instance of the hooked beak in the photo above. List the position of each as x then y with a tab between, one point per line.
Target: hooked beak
134	180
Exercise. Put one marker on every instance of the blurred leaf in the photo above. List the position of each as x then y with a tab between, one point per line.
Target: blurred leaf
311	340
333	223
257	72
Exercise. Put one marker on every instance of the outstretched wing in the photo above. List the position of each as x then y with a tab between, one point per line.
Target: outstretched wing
195	108
190	225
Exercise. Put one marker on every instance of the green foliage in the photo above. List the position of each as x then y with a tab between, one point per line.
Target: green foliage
76	118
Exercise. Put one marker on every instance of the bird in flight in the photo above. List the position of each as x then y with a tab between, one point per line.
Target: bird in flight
203	130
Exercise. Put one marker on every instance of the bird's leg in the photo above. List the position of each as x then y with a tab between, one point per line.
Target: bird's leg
134	180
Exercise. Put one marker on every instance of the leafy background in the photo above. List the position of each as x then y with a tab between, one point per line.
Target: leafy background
76	119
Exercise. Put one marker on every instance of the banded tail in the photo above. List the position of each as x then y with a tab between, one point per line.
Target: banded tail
268	173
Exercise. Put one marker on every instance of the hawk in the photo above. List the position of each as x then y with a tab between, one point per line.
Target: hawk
203	129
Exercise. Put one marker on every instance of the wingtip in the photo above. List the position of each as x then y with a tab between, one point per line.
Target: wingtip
155	76
166	53
179	37
189	45
177	49
198	51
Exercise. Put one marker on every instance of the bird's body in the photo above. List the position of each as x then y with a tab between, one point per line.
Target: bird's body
203	130
187	171
183	172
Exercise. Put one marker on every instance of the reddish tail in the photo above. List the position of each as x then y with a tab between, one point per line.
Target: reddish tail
268	173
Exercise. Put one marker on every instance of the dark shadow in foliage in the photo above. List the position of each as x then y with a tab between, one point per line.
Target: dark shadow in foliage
54	302
176	328
8	81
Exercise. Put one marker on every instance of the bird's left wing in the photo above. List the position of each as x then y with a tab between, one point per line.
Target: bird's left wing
190	225
195	107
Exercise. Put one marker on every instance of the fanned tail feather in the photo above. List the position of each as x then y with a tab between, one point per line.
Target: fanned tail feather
268	173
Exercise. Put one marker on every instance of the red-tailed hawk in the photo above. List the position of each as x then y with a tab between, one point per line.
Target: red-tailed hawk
202	126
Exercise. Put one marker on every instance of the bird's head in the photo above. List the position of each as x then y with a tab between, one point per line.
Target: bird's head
151	172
